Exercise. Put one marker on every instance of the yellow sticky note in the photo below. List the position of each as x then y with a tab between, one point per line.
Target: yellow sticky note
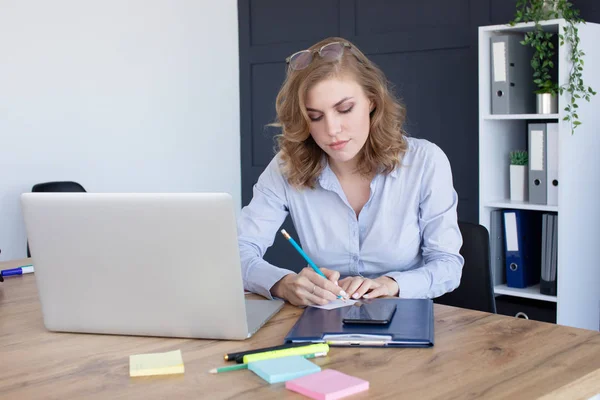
156	364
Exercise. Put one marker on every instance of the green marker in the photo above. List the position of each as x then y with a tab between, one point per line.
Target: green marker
245	365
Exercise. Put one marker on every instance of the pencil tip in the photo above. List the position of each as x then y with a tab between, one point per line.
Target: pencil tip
213	371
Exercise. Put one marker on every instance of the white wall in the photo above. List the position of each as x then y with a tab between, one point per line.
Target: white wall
120	96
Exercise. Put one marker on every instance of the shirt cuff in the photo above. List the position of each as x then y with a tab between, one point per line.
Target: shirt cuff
262	277
411	284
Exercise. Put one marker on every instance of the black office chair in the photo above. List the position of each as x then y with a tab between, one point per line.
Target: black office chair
61	186
58	186
476	289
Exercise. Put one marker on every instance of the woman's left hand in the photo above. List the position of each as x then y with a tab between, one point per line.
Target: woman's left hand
358	286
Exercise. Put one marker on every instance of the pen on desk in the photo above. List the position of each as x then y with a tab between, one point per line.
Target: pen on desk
25	269
238	356
245	365
303	254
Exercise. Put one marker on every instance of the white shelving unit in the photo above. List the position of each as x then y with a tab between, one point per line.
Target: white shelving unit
578	274
521	116
532	292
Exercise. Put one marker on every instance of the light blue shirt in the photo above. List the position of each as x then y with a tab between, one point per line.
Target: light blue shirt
407	230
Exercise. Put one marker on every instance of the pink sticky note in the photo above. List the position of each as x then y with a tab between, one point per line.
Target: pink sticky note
328	384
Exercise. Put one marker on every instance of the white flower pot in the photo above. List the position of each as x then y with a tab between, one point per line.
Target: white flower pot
551	6
518	182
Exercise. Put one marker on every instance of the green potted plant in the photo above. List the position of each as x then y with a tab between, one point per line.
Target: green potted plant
544	47
518	175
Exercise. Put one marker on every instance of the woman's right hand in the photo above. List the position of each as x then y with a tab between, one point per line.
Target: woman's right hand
309	288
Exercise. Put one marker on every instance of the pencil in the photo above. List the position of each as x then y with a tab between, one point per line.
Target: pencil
303	254
236	367
228	368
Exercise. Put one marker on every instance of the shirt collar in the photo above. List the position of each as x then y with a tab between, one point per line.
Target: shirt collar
328	180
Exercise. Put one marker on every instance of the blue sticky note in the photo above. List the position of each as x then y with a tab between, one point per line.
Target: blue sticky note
283	368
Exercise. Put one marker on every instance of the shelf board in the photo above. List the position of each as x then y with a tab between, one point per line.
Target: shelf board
520	116
520	205
551	25
531	292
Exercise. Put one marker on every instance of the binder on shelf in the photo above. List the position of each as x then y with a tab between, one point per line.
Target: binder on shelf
538	166
552	164
554	269
548	280
497	244
545	255
512	84
522	244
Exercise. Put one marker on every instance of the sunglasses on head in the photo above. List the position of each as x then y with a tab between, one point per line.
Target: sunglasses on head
330	52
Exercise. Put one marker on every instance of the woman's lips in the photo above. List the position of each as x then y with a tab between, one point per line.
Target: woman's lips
339	145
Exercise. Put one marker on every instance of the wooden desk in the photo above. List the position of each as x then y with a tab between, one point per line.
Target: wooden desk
476	355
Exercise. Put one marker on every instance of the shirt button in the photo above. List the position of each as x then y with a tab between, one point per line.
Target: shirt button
355	258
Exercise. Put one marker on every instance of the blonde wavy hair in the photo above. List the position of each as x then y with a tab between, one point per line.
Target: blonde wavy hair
300	154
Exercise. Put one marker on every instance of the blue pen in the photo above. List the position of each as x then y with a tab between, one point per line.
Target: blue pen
25	269
303	254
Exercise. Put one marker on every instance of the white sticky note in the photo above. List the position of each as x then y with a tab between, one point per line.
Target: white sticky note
336	304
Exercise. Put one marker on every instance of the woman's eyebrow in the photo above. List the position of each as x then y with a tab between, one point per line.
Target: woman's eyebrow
335	105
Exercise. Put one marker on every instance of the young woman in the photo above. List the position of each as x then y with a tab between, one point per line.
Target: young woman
373	208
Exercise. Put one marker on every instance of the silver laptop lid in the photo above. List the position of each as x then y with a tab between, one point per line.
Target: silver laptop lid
139	264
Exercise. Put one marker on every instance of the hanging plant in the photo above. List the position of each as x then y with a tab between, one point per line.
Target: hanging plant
544	50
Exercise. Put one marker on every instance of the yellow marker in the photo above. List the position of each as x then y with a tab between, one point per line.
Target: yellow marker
293	351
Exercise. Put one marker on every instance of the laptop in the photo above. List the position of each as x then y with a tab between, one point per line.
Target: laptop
141	264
